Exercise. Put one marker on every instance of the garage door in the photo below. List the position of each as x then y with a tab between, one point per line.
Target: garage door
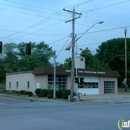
109	86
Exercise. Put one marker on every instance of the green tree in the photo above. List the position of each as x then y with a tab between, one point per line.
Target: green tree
112	52
14	58
92	62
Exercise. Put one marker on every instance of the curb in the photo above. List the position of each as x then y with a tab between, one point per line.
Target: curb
33	98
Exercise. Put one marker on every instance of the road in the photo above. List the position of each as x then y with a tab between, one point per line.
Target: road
19	114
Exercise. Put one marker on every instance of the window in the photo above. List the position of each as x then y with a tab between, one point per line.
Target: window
28	84
9	85
89	85
61	82
109	86
17	85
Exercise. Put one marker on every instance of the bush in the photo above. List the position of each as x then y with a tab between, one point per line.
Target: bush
19	93
37	91
23	91
50	93
59	93
43	93
2	91
65	94
30	93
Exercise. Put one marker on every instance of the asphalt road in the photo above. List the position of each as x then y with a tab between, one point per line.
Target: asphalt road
19	114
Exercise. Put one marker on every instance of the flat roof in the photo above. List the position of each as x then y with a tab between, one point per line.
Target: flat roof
80	72
18	72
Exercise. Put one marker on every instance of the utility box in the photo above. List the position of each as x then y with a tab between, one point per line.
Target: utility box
80	62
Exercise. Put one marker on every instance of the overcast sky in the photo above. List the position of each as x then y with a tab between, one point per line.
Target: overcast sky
44	20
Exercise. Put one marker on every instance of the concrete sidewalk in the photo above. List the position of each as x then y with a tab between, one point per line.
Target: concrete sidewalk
110	98
105	98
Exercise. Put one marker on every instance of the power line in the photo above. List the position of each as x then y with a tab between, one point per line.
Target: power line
107	6
34	33
57	40
110	29
63	47
31	26
29	5
23	8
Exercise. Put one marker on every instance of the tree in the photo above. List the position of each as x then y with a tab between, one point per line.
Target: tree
14	58
112	52
92	62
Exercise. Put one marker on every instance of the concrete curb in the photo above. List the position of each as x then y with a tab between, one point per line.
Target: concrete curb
33	98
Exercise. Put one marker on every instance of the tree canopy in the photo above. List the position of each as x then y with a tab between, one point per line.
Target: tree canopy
112	52
14	58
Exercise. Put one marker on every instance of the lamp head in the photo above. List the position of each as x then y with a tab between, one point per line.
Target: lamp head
100	22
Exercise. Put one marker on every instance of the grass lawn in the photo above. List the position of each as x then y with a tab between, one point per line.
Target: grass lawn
123	89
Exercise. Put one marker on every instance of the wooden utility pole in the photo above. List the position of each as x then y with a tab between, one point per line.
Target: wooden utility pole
73	44
125	31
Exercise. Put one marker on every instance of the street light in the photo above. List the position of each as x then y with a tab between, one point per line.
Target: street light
54	65
81	49
125	31
89	29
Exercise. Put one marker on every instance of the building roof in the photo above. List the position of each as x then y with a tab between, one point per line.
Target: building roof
67	72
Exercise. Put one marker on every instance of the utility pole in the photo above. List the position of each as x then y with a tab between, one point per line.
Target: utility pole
125	31
54	89
73	44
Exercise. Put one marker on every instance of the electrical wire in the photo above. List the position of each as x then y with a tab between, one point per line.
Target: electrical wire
63	47
58	40
107	6
28	5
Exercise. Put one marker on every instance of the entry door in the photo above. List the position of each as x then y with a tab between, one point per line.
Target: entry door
109	87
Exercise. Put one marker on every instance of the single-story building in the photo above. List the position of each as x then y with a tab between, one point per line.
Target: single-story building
95	82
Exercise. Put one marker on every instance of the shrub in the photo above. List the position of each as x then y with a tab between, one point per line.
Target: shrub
43	93
65	94
50	93
59	93
23	91
19	93
37	91
2	91
30	93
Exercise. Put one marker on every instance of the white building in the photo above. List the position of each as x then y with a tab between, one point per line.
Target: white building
95	82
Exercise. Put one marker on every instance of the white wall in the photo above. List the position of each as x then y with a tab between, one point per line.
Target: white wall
22	79
88	91
91	79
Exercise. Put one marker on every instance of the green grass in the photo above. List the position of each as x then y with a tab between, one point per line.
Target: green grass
123	89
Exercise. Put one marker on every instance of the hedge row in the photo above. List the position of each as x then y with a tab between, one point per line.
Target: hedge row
49	93
21	92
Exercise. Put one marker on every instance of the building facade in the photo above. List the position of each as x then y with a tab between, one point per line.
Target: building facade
95	82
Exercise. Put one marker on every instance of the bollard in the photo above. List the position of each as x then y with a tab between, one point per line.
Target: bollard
69	98
85	97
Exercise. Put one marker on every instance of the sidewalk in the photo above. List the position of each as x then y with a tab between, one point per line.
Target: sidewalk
105	98
110	98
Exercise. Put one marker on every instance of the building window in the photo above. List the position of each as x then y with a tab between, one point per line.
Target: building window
9	85
61	82
88	85
28	84
109	86
17	85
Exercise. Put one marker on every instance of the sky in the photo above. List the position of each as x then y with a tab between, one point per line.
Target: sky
44	20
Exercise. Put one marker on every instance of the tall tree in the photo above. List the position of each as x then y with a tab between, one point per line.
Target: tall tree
113	53
93	62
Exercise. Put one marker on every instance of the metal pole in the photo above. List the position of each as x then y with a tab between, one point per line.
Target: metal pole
72	64
54	89
125	31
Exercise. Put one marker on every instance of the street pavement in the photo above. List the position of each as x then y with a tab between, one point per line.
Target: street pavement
29	113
